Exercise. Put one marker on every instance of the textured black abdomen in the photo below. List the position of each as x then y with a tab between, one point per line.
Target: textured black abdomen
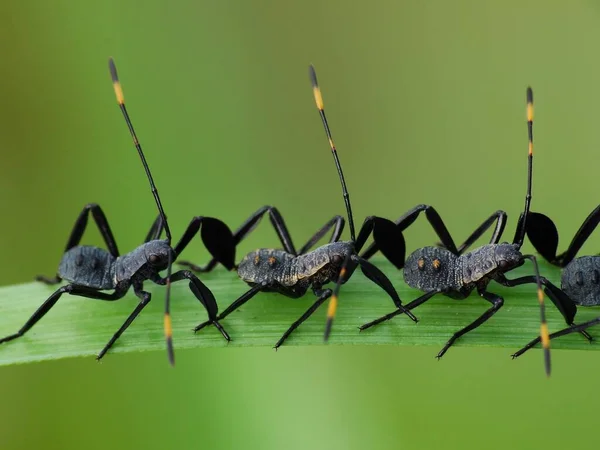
581	280
267	266
431	268
88	266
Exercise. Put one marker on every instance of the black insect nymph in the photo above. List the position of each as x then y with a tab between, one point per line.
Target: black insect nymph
292	273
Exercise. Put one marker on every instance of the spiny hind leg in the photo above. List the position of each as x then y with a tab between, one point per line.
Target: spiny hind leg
77	234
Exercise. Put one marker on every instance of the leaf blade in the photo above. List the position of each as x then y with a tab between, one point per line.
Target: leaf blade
80	327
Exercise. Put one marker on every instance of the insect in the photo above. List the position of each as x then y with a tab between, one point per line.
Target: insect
90	270
444	270
292	274
580	278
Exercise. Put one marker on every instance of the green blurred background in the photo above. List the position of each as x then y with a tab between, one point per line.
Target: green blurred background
427	105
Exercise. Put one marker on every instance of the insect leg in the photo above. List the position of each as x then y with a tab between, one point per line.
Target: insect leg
409	217
203	294
543	235
418	301
51	301
499	217
278	224
155	230
242	232
496	302
144	300
217	239
102	224
379	278
386	235
235	305
563	303
571	329
337	223
531	344
587	228
48	280
322	295
77	234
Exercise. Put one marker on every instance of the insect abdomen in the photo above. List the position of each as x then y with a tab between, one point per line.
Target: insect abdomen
431	268
268	266
581	280
88	266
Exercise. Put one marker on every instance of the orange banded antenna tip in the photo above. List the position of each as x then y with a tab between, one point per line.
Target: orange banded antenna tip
333	302
116	82
529	104
545	335
169	339
315	86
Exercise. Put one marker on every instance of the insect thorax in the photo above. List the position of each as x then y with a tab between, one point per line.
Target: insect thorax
323	264
147	259
279	267
484	262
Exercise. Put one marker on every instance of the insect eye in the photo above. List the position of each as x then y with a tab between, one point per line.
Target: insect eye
153	259
336	259
503	264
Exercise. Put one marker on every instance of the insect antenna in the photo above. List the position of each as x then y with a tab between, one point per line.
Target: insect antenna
521	226
136	142
545	338
319	102
167	321
333	302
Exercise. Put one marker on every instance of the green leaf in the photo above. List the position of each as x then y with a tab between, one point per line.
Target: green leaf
79	326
